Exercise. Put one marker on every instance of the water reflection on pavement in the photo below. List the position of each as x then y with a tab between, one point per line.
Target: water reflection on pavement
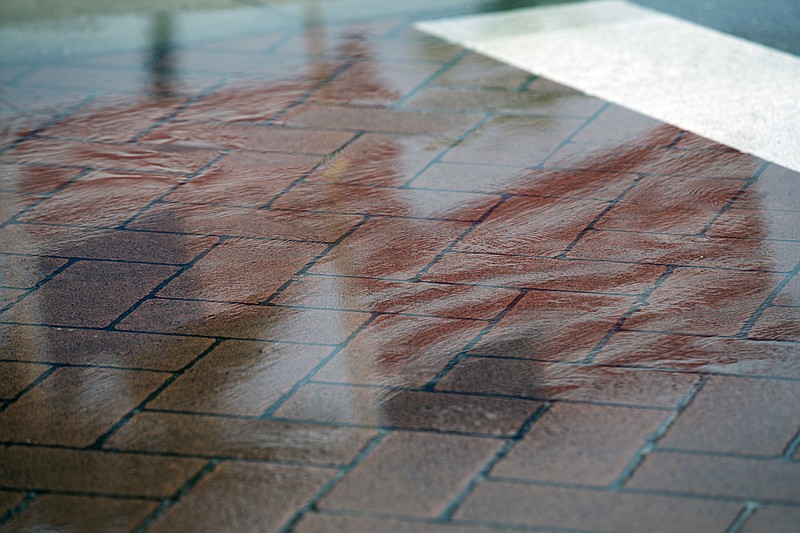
299	267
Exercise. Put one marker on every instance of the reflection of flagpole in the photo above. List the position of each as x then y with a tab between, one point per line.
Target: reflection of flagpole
313	17
160	58
314	41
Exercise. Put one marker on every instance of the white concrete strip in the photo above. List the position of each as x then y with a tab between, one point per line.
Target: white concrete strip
727	89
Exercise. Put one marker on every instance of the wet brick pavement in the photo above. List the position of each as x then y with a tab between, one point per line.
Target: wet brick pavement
346	277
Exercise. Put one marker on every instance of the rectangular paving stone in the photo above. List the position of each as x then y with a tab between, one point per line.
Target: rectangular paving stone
692	141
553	326
93	472
85	78
244	136
586	444
471	178
10	296
86	243
240	378
114	119
101	199
670	205
400	351
407	409
22	185
379	120
33	181
403	249
542	273
532	226
432	476
247	179
617	125
710	302
14	204
9	499
737	254
789	295
514	140
242	270
328	523
242	222
20	271
111	156
703	354
522	103
246	102
244	497
643	157
556	507
254	66
388	160
778	323
764	420
757	224
476	70
51	512
32	104
587	184
216	436
773	519
531	379
243	321
75	406
89	293
357	39
91	347
18	125
760	479
437	299
775	188
14	377
355	199
356	84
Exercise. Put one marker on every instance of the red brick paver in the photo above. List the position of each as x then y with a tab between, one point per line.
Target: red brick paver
94	472
590	445
240	438
553	507
81	513
275	491
737	415
76	406
434	476
777	519
738	477
408	409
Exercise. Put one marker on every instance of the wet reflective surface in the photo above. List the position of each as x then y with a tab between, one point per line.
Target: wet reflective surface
299	267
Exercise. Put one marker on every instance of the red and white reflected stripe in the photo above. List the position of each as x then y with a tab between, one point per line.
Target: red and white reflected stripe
732	91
